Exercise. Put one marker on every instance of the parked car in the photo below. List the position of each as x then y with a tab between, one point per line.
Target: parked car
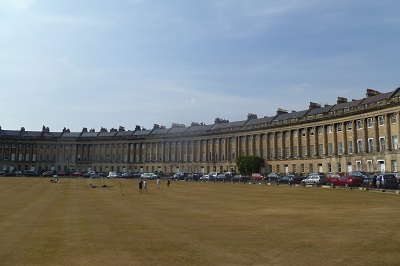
362	174
397	175
14	173
273	177
62	173
347	181
239	178
113	175
180	176
257	176
149	176
127	175
315	179
224	177
212	176
290	179
193	177
77	174
31	173
205	178
389	181
136	175
95	175
48	173
90	173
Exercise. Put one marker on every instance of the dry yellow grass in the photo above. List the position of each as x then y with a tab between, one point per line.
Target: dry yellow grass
68	223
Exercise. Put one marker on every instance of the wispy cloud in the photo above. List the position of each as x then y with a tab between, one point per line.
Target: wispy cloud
69	66
17	4
66	20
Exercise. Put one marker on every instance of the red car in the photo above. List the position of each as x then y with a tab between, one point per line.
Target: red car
347	181
256	176
77	174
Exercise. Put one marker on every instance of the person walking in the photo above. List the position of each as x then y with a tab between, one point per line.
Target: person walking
145	186
168	182
378	181
140	186
158	182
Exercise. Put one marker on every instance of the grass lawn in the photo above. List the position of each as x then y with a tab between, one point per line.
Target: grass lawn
193	223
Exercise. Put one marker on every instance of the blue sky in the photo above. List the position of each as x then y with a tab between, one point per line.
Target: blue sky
111	63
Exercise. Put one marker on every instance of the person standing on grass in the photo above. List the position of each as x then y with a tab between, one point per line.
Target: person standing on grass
168	182
140	186
145	186
378	181
158	182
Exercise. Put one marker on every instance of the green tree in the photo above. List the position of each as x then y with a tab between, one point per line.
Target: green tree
248	164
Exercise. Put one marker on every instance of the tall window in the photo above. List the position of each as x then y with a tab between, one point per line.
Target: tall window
340	148
382	144
359	124
360	146
371	145
330	149
312	150
369	122
395	143
394	118
381	121
350	147
339	167
394	165
303	151
321	149
295	152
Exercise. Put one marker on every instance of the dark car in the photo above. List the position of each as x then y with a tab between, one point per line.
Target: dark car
362	174
11	173
136	175
193	177
180	176
239	178
290	179
127	175
30	173
347	181
224	177
273	177
389	181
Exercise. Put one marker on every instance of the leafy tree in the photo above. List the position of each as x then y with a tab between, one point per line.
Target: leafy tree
248	164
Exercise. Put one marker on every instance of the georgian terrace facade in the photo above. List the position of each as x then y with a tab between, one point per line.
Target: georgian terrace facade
347	136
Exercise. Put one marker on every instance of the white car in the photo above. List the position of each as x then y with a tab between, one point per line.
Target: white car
149	176
205	178
113	175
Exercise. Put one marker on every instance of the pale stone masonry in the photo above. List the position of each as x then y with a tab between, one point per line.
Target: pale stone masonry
351	135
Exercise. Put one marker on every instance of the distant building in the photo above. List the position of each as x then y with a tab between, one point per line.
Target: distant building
346	136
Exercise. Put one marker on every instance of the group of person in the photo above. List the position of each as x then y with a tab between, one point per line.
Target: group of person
143	185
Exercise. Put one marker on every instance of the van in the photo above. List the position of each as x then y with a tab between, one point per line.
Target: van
30	173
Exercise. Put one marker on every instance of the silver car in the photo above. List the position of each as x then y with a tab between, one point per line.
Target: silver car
315	179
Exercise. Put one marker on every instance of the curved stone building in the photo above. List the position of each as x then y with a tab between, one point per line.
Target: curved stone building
347	136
